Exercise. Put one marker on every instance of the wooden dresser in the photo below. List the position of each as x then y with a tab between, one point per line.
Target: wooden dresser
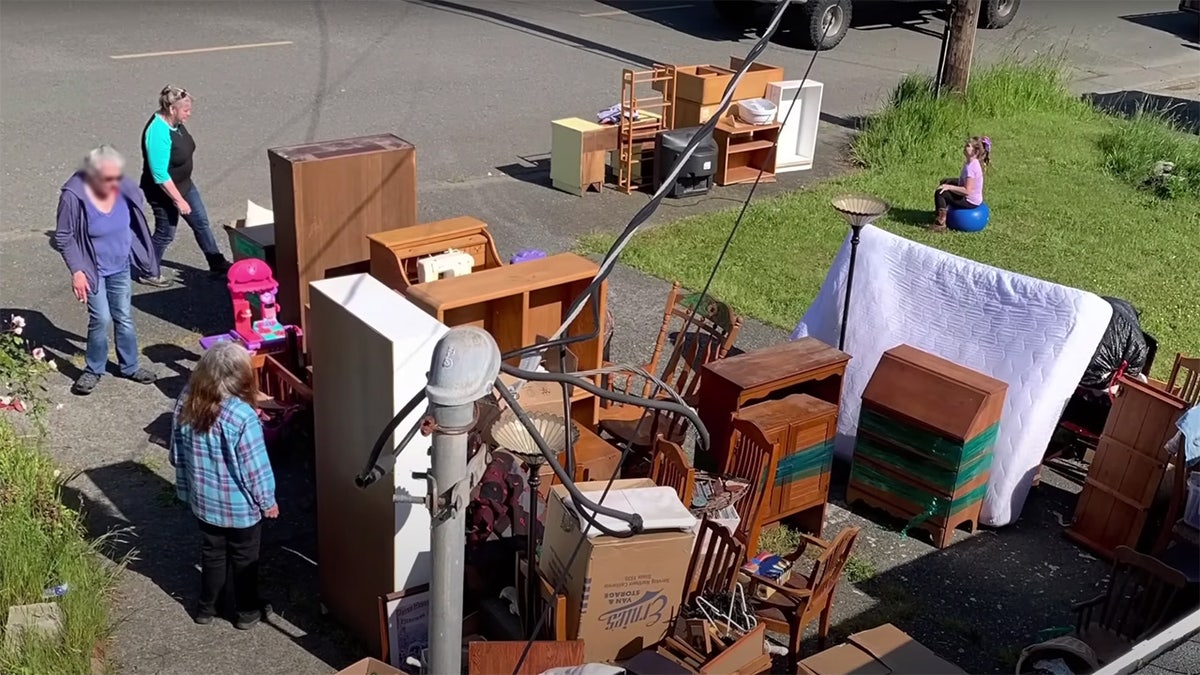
925	436
328	197
805	366
1127	468
801	428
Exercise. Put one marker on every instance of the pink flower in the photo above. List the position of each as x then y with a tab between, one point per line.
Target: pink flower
17	321
39	353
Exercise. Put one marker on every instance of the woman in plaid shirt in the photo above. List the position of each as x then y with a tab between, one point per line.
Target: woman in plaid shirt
222	472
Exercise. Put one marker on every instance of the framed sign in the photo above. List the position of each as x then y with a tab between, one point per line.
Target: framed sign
404	624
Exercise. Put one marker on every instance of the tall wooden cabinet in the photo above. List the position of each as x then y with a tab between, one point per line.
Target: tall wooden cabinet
925	436
804	366
1128	466
328	197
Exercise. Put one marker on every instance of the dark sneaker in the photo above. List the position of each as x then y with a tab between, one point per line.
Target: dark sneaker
158	282
247	622
203	618
85	384
218	266
141	376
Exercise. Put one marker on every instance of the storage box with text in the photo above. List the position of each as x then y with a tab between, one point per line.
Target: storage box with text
621	592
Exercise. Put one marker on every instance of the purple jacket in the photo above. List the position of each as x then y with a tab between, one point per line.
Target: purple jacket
71	236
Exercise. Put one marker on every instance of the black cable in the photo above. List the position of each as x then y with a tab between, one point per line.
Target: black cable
582	504
746	204
372	471
702	438
643	214
562	581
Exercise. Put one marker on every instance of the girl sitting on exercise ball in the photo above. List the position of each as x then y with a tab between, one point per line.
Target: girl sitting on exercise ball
966	191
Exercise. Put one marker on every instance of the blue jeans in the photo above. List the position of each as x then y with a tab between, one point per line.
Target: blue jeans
110	303
166	218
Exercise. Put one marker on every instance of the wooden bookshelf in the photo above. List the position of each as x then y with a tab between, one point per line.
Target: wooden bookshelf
522	305
745	150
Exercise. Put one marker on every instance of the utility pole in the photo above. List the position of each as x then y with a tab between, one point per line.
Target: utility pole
963	22
464	367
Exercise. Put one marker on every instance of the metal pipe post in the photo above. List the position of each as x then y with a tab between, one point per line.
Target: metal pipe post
854	239
465	364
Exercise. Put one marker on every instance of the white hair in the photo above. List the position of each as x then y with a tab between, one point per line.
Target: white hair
105	154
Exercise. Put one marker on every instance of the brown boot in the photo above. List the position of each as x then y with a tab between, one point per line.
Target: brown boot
939	222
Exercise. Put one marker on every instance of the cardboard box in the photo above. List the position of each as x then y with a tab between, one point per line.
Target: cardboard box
884	650
370	666
621	593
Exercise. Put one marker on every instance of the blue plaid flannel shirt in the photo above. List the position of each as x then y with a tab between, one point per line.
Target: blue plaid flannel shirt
224	475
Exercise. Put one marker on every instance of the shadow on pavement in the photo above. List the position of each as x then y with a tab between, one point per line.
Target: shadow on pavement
1180	24
1181	111
982	599
531	169
546	33
178	360
700	20
159	539
198	303
62	345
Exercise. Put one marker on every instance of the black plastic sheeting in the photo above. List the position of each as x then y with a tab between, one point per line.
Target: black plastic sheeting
1123	343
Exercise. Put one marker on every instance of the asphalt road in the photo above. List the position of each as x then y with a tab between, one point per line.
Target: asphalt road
473	85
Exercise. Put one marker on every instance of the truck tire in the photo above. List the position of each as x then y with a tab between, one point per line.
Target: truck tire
735	12
812	19
997	13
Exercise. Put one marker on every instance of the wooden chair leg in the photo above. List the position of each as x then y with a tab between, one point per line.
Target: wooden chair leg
823	627
795	638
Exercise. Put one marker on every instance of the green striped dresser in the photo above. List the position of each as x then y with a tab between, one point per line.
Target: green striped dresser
923	452
801	429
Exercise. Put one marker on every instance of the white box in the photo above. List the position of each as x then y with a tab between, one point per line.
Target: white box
798	137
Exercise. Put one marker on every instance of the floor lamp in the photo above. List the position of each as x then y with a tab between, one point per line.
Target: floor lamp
859	211
510	433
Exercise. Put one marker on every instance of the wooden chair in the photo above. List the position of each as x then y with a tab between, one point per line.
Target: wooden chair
803	598
695	340
671	468
1184	381
752	460
1138	602
555	627
715	562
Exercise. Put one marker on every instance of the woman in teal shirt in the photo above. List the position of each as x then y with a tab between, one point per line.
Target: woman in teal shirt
167	150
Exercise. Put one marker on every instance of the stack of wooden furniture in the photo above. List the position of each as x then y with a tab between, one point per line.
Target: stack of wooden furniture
524	304
328	197
394	253
805	366
698	89
1127	469
799	430
925	436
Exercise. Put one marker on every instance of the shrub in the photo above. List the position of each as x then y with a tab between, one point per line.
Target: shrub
1135	151
23	370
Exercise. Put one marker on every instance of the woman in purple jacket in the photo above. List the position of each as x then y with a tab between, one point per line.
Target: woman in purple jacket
101	233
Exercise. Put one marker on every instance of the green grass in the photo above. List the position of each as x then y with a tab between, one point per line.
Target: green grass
859	570
43	543
1065	188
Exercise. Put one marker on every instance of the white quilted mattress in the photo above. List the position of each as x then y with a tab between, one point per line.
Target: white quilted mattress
1036	336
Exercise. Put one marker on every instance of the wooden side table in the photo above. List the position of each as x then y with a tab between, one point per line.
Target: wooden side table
744	151
577	153
805	366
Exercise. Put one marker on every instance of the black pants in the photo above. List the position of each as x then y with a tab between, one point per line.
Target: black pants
945	199
229	556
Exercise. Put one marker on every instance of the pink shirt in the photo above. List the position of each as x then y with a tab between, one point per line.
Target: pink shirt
972	169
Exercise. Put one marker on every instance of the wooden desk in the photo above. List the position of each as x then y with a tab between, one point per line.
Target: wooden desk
595	460
805	366
394	253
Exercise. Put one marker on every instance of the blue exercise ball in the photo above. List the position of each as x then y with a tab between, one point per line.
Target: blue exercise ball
969	220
